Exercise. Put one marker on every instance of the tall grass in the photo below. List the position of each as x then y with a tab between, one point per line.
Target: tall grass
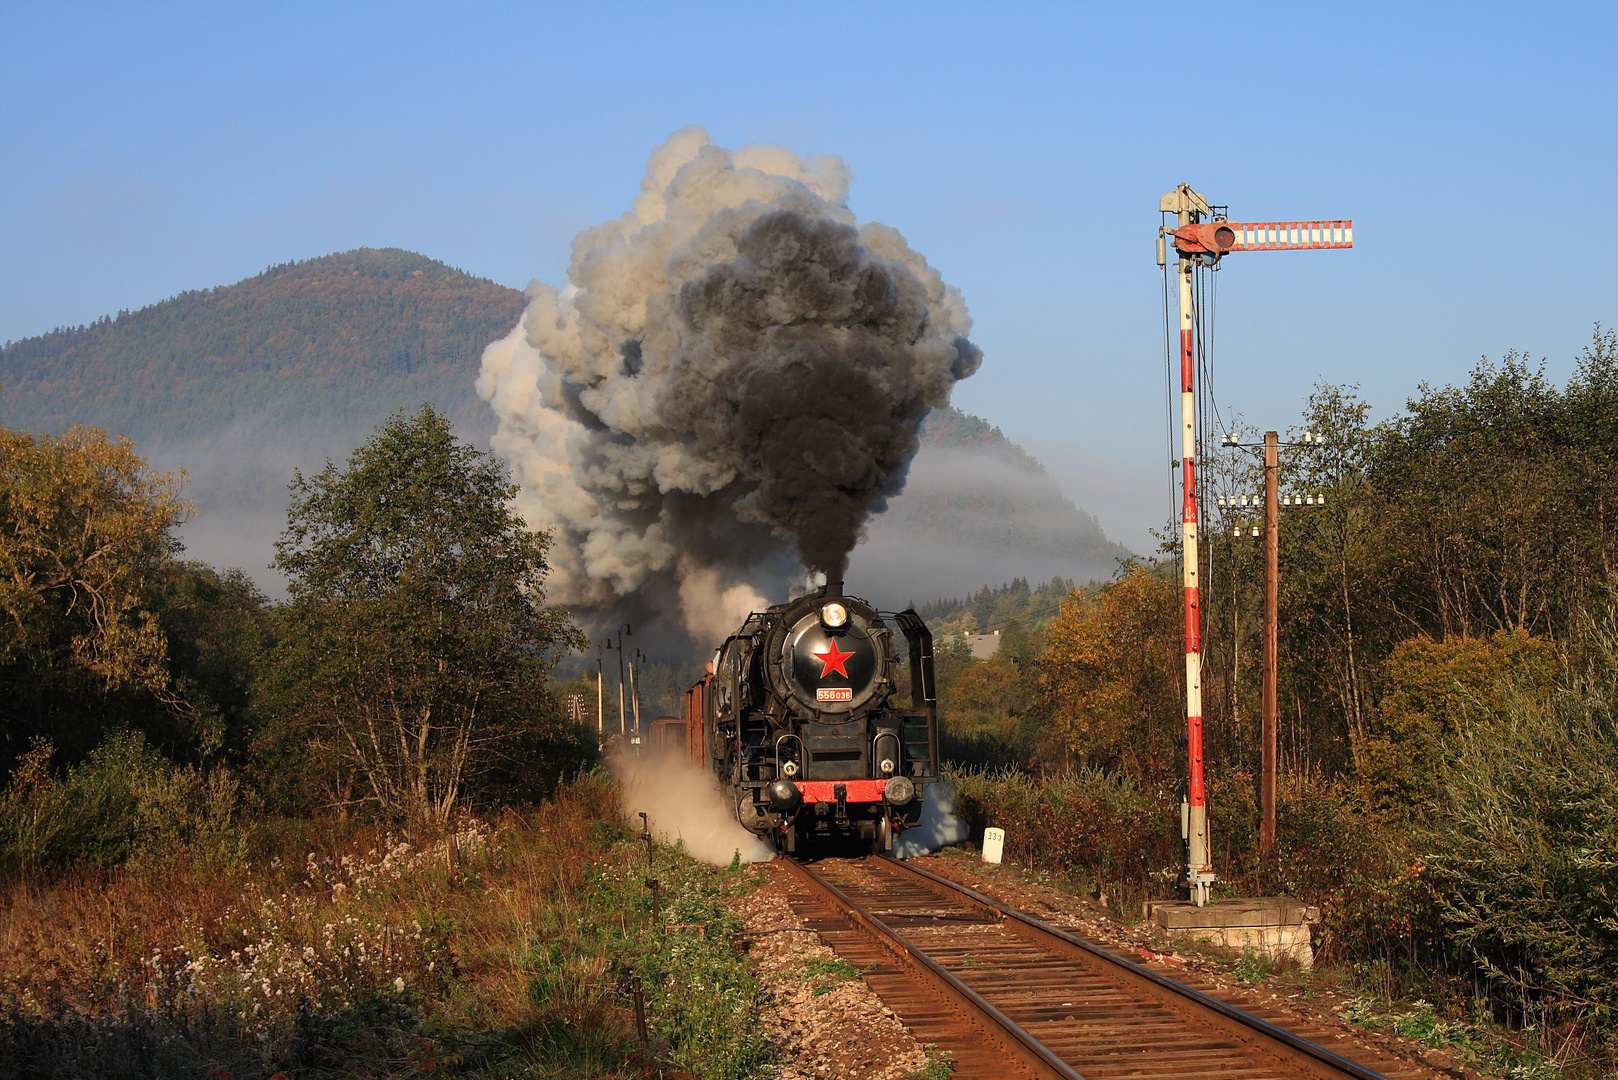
492	948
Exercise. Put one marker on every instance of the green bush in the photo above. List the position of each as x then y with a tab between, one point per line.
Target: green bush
1433	690
1524	867
124	801
1092	823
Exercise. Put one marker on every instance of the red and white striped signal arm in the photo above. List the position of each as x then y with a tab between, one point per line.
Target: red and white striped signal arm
1223	237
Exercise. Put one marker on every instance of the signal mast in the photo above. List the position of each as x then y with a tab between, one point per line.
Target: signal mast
1202	238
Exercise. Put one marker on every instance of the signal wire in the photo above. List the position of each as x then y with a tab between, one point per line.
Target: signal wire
1168	385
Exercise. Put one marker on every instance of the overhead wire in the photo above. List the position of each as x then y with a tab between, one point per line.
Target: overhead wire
1168	385
1205	292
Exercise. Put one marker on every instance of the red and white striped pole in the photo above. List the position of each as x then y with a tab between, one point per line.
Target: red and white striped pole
1199	871
1210	240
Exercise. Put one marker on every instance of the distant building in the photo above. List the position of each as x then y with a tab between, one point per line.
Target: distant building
983	646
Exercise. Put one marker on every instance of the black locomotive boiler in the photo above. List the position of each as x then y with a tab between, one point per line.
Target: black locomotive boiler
800	722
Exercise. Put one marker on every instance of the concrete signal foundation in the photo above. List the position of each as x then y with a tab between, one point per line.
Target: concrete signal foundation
1276	927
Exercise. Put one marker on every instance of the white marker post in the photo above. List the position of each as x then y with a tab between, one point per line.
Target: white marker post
994	845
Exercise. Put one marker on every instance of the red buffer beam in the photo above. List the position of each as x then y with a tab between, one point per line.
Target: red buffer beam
1223	237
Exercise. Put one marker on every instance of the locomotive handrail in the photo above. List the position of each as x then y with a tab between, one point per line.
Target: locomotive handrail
803	763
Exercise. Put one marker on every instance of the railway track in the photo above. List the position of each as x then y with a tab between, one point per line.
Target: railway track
1008	995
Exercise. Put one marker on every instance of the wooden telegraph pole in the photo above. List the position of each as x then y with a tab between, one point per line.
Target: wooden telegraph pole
634	688
1273	502
623	721
601	699
1272	599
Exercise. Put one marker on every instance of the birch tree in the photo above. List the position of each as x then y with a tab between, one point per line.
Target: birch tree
417	642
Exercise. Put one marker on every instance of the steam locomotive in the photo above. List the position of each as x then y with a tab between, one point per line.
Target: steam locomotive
798	719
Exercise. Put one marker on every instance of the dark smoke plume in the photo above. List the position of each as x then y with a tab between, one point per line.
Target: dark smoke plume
799	368
734	374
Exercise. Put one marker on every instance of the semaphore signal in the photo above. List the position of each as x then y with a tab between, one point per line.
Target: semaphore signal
1202	237
1223	237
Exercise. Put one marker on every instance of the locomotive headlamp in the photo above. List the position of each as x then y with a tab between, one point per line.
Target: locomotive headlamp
834	616
789	768
899	790
886	766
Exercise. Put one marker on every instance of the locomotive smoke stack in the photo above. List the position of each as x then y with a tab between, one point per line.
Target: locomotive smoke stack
731	383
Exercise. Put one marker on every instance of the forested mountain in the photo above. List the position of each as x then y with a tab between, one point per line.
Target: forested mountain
242	384
325	346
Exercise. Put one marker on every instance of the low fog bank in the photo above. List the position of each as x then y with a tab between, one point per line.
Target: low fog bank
238	477
240	538
971	517
893	572
237	481
1130	494
968	517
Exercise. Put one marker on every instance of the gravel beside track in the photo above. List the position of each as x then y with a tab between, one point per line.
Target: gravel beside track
844	1031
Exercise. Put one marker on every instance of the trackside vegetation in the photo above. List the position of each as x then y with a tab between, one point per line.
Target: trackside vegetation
490	946
1447	709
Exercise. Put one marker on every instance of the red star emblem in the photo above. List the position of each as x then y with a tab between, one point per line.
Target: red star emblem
831	660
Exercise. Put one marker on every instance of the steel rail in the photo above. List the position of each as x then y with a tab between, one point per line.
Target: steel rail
1311	1057
1013	1040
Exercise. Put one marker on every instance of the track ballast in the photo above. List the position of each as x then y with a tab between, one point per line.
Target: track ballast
1008	995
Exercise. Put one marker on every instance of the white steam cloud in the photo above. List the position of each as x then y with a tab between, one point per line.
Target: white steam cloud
938	827
683	803
726	389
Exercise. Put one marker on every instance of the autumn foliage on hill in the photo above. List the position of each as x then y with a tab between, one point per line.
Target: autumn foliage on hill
1109	674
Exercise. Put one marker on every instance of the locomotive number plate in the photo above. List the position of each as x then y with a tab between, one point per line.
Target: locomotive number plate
834	693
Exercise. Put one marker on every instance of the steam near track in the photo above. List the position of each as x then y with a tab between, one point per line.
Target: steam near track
727	387
939	827
682	803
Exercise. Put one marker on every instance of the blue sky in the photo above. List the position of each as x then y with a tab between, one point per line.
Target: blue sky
1022	148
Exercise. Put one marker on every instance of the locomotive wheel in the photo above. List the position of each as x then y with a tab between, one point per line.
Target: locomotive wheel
884	834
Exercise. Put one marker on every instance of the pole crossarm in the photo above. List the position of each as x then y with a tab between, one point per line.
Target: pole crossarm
1223	237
